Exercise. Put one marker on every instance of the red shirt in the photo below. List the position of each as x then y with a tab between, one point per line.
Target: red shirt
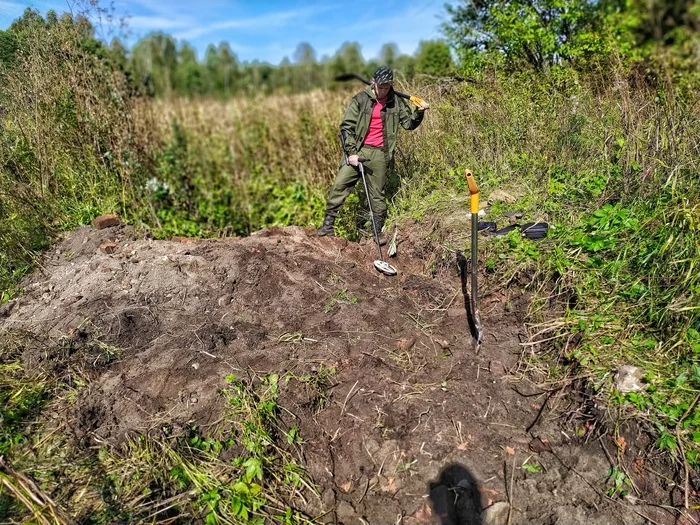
375	135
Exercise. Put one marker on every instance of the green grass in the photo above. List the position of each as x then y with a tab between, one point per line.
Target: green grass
245	470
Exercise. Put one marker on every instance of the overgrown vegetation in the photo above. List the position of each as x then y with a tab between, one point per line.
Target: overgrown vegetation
600	138
245	469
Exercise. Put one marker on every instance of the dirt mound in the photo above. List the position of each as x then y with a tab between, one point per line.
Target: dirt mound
400	419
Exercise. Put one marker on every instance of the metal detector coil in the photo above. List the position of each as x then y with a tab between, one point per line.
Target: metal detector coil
385	267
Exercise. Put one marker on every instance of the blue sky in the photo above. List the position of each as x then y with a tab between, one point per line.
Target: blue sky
267	30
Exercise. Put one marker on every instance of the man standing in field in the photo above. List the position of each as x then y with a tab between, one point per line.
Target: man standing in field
370	125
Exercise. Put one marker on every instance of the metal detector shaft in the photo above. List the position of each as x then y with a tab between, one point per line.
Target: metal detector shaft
369	205
364	182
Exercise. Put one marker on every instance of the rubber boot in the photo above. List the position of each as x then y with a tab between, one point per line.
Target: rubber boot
380	227
326	229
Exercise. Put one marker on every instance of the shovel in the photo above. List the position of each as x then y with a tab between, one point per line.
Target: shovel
474	208
349	76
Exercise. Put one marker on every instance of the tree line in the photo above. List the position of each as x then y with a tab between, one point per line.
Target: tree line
508	35
158	65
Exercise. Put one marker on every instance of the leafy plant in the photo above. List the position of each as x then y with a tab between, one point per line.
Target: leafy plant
619	483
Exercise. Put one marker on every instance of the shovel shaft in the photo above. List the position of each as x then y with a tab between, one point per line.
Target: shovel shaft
474	208
475	242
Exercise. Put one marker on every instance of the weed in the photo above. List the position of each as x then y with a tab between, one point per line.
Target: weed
295	337
169	475
619	483
532	468
344	297
341	297
319	381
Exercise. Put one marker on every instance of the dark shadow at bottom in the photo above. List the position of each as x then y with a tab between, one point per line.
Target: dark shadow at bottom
455	497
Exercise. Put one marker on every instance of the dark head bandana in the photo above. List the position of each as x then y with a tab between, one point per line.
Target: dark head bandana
384	75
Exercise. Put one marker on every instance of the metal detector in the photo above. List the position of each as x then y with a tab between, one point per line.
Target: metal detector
380	264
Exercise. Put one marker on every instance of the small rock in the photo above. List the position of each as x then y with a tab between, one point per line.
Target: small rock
496	514
183	240
406	344
108	247
328	498
539	445
513	216
632	500
502	196
195	366
345	511
629	378
424	514
106	221
6	309
371	446
224	300
390	484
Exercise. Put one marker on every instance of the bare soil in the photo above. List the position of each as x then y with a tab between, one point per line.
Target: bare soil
411	422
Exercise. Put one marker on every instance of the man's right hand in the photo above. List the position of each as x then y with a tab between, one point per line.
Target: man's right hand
353	160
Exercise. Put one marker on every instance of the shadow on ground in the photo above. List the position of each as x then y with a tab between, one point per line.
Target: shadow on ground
455	497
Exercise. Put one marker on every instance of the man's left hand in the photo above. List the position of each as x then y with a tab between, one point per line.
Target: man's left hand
423	105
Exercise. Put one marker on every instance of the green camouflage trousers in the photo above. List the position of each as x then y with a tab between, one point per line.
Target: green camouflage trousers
348	176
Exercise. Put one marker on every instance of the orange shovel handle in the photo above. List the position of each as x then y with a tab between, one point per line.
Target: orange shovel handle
473	191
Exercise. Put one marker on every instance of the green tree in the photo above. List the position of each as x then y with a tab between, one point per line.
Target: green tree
351	56
405	66
117	54
211	67
30	19
154	60
51	18
284	76
306	76
434	58
8	48
666	22
388	54
228	70
534	32
189	75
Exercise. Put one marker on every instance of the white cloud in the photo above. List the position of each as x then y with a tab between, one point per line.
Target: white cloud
269	21
158	22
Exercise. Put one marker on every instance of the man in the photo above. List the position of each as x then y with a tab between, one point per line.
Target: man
370	125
